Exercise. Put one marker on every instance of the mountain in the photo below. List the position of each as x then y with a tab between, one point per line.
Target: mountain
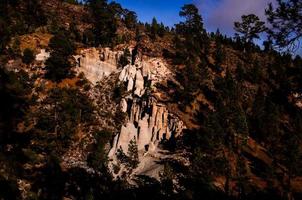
98	105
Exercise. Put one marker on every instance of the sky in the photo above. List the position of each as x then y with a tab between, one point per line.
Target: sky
165	11
216	13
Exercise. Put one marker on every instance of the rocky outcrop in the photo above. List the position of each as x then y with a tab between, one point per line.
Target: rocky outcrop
42	56
149	122
96	64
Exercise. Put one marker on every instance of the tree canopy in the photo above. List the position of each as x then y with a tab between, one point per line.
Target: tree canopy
250	27
286	23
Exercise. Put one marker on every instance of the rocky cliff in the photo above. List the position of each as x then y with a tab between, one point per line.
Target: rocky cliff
148	121
96	64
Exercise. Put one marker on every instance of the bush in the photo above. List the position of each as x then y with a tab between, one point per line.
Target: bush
58	66
124	59
61	44
28	56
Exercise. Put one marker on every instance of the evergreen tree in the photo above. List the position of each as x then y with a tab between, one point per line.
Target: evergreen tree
219	56
125	58
104	22
28	56
130	19
250	27
240	73
133	154
286	21
154	28
192	29
57	65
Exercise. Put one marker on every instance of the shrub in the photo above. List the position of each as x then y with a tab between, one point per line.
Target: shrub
124	59
28	56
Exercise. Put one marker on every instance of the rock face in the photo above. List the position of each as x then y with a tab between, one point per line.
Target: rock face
42	56
149	122
96	64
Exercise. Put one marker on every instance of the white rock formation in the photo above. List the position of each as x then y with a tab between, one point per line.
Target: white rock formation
123	105
42	56
139	83
149	121
95	64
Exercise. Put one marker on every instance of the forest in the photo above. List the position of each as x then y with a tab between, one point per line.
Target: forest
253	96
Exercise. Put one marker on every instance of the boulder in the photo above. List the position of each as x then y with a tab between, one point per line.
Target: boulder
42	56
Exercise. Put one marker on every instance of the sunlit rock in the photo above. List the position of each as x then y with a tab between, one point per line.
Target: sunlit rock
42	56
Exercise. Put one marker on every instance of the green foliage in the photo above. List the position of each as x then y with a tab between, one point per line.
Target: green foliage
219	55
104	29
286	20
119	92
250	27
256	74
125	58
192	28
130	160
15	48
64	112
88	37
154	28
75	33
98	158
130	19
61	44
14	90
57	68
71	1
4	33
19	17
28	56
240	73
57	65
133	154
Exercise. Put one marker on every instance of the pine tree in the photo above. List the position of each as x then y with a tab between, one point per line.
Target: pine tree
133	154
57	65
219	56
130	19
28	56
286	21
250	27
154	28
104	22
125	58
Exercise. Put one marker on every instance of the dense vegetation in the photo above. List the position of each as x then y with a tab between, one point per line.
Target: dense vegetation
250	97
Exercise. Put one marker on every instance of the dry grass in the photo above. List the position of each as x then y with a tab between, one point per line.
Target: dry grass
34	41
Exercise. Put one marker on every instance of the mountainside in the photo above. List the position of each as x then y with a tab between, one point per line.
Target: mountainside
97	105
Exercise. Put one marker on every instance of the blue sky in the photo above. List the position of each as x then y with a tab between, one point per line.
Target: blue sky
216	13
165	11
